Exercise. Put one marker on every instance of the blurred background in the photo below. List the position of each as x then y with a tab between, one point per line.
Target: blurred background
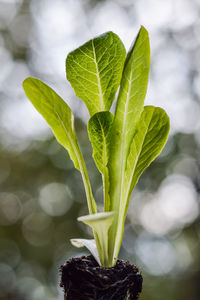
41	194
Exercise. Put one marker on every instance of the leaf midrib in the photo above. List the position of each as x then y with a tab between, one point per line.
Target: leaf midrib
124	138
104	146
98	78
123	205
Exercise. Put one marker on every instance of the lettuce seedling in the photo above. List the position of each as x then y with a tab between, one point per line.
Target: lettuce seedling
124	143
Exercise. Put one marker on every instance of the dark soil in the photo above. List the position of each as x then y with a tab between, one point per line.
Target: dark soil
82	278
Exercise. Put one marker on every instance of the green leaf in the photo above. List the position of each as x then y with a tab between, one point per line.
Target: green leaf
61	120
100	223
150	137
95	69
56	112
99	130
129	104
89	244
129	108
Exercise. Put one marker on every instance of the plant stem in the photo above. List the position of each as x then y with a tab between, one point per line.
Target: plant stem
86	181
88	190
105	179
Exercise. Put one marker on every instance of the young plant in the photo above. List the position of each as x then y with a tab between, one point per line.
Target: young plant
124	144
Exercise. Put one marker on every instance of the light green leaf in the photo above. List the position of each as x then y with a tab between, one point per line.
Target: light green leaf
56	112
99	129
100	223
89	244
61	120
94	71
149	139
129	108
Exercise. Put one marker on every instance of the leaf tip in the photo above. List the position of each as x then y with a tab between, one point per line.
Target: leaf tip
143	29
25	81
